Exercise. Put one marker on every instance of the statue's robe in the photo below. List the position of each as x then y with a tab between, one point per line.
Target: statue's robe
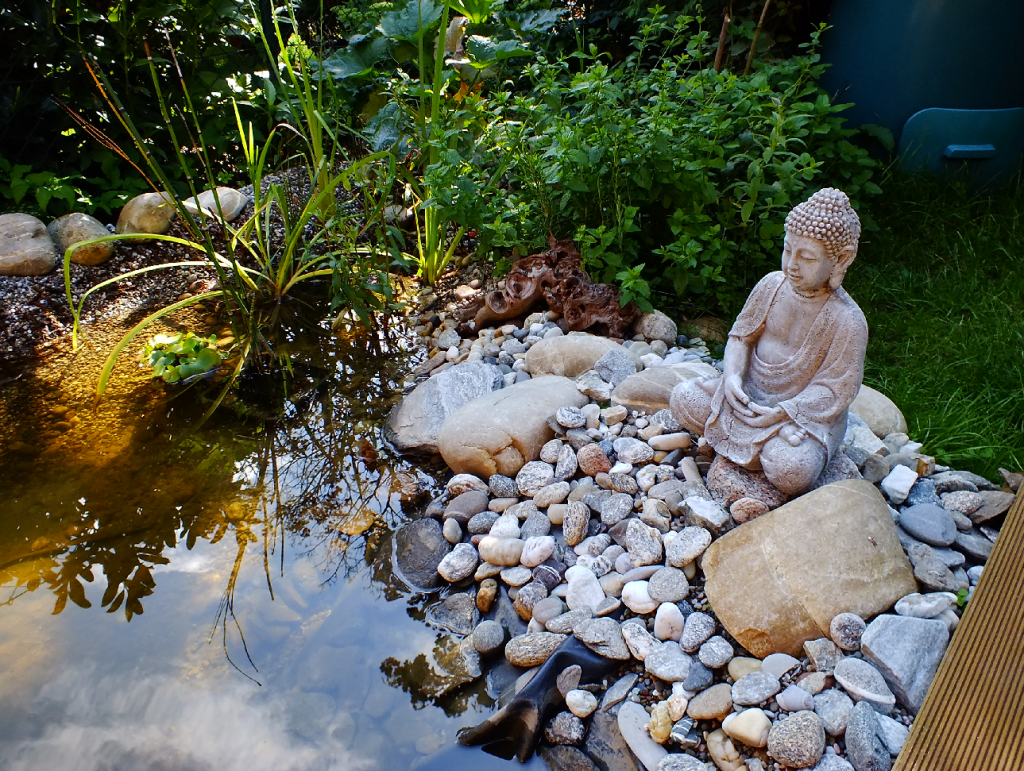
815	386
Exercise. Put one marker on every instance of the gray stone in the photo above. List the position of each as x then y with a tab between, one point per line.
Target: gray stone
974	545
657	326
459	564
456	613
863	682
863	746
688	544
700	512
569	679
892	733
639	641
697	629
680	762
533	648
616	508
930	570
503	486
488	637
615	366
715	652
480	524
448	338
633	720
643	543
668	663
536	525
830	762
147	213
684	732
907	651
618	691
632	451
846	630
923	491
593	385
996	504
74	228
794	698
564	728
929	523
415	422
824	654
565	758
834	708
798	740
668	585
571	417
624	483
575	523
25	247
567	623
754	688
604	743
567	464
528	596
604	637
419	549
227	202
698	678
464	507
533	477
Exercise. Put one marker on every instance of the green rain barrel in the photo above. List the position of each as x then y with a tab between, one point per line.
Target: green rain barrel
946	77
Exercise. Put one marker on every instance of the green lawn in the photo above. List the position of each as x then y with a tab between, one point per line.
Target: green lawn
942	286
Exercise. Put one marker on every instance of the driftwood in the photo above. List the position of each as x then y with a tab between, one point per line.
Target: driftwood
556	277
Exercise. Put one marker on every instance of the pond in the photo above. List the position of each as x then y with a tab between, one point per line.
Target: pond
220	599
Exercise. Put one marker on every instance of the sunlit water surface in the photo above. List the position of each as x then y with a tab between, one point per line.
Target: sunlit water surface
223	600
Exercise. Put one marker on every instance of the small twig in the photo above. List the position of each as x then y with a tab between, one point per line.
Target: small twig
757	34
722	37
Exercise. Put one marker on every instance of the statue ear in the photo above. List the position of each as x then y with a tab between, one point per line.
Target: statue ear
846	257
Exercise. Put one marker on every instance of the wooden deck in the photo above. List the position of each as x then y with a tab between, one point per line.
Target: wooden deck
973	716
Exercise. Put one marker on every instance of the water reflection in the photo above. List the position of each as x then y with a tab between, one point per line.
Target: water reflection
259	546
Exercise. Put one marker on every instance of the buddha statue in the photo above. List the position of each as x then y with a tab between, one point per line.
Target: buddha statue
794	360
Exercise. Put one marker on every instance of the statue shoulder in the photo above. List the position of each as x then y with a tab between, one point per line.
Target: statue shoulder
852	317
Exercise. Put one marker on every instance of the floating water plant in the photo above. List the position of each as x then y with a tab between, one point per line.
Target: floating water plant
183	357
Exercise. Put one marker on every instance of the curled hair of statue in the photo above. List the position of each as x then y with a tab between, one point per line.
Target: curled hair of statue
556	277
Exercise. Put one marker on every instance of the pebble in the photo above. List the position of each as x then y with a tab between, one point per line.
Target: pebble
500	551
863	682
668	622
505	526
569	679
743	665
534	476
488	637
567	622
616	508
798	740
897	483
715	652
754	688
668	585
779	664
794	699
548	608
929	523
502	486
564	728
575	522
723	753
584	589
635	596
556	513
550	494
697	629
615	366
668	663
892	733
834	708
593	460
846	630
459	563
481	523
619	690
669	442
864	748
639	641
632	451
746	509
566	466
962	502
678	761
570	417
581	703
604	637
926	605
536	550
485	594
532	649
463	483
751	727
452	531
643	543
824	654
711	704
501	505
632	721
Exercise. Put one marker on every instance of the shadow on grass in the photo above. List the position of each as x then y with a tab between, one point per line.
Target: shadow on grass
942	286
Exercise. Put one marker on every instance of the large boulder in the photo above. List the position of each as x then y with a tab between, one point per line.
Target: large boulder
413	424
571	355
879	412
650	390
499	432
75	227
147	213
25	247
779	580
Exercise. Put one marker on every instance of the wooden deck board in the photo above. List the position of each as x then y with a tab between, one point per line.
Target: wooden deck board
973	716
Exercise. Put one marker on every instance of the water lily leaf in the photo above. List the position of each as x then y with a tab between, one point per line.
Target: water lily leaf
411	22
356	60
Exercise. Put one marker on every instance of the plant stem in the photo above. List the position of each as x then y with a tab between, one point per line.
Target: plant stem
722	37
757	34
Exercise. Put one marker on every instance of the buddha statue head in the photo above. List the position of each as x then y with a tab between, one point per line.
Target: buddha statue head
821	242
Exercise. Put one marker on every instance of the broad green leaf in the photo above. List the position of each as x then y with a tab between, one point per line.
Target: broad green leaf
411	22
477	11
355	61
484	50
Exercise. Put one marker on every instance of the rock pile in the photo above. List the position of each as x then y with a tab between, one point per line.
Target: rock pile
601	519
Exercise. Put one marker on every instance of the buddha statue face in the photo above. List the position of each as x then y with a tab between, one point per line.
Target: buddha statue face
821	242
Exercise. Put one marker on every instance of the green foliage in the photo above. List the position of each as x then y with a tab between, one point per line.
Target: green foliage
961	598
941	283
182	357
668	161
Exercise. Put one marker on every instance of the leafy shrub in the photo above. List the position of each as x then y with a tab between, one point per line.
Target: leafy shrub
688	170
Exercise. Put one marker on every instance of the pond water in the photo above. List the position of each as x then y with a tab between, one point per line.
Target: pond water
222	599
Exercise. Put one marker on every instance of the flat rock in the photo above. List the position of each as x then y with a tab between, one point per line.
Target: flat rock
567	623
892	733
689	543
996	504
754	688
499	432
832	763
779	664
26	249
419	549
564	728
714	703
643	543
925	605
604	637
459	564
974	545
834	708
863	745
880	413
457	613
563	758
639	641
668	585
533	648
715	653
696	630
633	720
615	365
75	227
651	390
618	691
678	761
907	652
414	423
668	663
571	355
929	523
863	682
839	551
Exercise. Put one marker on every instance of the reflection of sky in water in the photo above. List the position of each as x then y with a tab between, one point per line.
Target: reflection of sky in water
86	691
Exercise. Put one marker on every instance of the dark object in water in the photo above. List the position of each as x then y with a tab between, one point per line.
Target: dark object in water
515	729
557	277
